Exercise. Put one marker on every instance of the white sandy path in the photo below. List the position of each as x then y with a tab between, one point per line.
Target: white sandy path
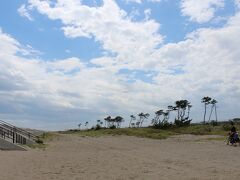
121	157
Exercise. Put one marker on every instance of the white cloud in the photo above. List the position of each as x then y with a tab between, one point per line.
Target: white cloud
200	11
154	0
23	11
68	90
147	13
49	92
141	1
135	1
237	3
107	24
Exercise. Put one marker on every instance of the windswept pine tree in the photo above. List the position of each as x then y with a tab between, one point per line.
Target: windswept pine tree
108	121
133	118
142	117
181	106
213	103
98	122
118	120
161	119
157	119
86	124
206	100
79	125
114	122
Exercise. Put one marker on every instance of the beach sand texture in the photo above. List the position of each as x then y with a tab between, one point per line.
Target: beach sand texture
70	157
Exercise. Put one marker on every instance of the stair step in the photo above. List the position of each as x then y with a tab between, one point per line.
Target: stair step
6	145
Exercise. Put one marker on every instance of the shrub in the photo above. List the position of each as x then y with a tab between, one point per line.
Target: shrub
39	141
98	127
112	127
74	130
214	123
184	122
226	127
208	128
162	125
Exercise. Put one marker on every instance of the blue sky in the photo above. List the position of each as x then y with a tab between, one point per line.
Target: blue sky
69	61
46	36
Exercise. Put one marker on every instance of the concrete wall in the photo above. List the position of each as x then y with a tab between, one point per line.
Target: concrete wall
6	145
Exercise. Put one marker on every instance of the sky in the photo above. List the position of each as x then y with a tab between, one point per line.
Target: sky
65	62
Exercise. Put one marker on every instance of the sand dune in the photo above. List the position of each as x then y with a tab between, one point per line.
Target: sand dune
70	157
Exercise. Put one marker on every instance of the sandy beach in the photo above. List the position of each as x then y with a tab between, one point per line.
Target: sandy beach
70	157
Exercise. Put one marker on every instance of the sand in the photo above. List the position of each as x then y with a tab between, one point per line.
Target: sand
71	157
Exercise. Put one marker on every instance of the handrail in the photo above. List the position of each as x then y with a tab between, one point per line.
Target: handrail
17	130
15	137
12	130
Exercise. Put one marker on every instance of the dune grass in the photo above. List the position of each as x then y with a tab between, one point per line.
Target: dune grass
138	132
148	132
49	136
202	130
216	138
37	146
44	138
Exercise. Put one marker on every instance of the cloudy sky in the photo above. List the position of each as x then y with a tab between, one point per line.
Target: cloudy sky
68	61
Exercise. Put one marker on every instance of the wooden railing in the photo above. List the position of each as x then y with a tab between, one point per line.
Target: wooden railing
15	134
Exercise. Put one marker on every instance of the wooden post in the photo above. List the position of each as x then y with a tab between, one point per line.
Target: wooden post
13	137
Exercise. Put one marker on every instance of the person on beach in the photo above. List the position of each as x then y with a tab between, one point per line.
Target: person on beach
233	135
233	128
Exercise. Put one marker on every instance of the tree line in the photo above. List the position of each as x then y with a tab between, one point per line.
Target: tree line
161	118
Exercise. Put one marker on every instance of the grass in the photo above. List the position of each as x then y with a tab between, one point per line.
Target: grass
45	137
195	129
49	136
201	130
148	132
37	146
138	132
216	139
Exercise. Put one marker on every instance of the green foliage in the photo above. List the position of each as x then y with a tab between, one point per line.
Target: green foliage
138	132
214	123
183	122
46	136
49	136
162	125
112	127
98	127
39	141
182	118
216	138
226	127
155	132
194	129
236	120
206	100
37	146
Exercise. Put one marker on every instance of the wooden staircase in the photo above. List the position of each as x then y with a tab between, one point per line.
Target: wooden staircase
12	136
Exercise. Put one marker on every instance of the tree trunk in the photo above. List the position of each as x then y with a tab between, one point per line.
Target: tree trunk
130	122
183	114
204	114
158	119
178	114
141	122
216	112
211	113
